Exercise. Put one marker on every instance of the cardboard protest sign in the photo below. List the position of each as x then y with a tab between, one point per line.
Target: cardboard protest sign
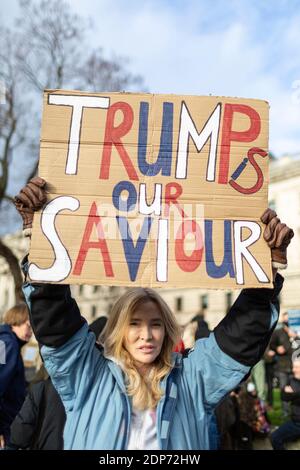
152	190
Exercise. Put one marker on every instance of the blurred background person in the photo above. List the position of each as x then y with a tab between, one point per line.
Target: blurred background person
290	430
202	329
252	420
98	325
14	333
270	362
39	425
258	376
281	344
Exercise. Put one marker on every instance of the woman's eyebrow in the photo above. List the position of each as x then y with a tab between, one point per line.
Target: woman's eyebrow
137	318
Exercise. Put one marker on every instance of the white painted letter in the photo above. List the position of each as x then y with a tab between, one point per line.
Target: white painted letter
62	265
240	249
209	131
156	204
162	250
77	103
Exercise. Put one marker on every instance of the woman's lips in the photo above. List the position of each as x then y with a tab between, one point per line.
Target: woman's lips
146	348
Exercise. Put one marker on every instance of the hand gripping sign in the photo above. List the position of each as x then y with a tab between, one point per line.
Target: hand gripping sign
152	190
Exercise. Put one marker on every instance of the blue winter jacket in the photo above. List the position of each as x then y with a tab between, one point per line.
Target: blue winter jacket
12	378
92	387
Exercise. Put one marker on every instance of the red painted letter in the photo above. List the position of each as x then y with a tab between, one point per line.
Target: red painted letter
113	136
171	198
260	177
188	263
93	219
229	135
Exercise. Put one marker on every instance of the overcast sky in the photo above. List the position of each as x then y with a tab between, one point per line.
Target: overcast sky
247	48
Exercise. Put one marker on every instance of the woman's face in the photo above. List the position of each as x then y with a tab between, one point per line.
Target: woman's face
145	334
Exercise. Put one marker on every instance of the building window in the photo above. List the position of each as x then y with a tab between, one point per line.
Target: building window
94	311
228	300
203	302
178	301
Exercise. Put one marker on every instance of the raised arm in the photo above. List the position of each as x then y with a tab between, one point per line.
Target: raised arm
54	315
246	330
68	348
220	362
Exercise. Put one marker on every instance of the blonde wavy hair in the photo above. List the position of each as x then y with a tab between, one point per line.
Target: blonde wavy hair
145	391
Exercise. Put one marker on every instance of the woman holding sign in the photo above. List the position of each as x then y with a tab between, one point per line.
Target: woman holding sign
134	393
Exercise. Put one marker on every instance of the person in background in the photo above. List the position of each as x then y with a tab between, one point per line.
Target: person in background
227	419
270	361
14	333
246	398
197	328
97	326
179	347
290	430
258	376
202	329
252	418
281	344
39	425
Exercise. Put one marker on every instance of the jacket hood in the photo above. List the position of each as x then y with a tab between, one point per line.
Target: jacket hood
7	330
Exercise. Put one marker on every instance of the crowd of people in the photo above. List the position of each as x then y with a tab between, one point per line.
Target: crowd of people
37	421
246	413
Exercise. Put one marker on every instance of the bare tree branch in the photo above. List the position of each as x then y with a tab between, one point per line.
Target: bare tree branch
46	49
13	264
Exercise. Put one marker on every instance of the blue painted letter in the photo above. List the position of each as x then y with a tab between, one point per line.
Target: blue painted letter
133	254
164	159
119	204
227	266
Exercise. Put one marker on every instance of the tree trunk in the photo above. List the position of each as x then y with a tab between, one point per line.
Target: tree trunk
15	269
